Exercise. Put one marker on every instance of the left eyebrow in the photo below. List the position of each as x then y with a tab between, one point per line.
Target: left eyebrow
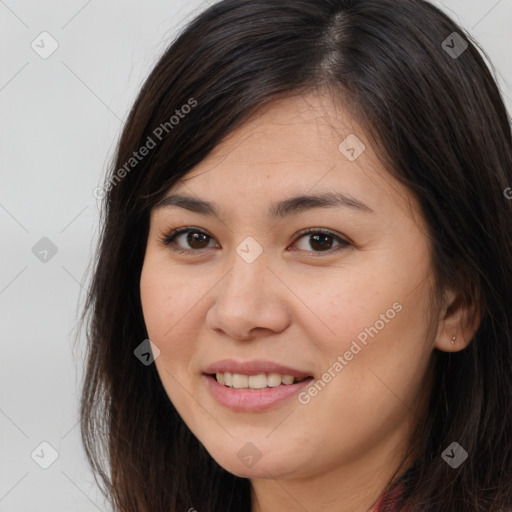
277	210
301	203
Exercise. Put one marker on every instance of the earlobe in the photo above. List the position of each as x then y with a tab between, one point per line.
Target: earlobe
453	343
458	324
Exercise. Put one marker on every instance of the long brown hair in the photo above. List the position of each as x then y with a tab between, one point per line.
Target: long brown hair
432	108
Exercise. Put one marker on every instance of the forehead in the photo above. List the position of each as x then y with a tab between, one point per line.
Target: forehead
293	146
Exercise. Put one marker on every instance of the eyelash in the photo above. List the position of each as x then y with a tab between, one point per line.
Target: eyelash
169	238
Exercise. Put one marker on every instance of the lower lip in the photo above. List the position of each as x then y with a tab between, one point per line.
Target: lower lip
252	400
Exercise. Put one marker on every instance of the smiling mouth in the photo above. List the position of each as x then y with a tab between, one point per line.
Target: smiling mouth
255	382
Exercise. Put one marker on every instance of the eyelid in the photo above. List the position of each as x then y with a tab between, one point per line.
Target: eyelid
168	238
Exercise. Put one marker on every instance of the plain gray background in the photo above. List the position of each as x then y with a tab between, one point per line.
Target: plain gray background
60	119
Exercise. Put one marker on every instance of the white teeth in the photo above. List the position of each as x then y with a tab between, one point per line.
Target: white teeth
240	381
273	380
260	381
287	379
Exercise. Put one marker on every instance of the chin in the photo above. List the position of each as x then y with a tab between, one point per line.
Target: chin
259	470
249	462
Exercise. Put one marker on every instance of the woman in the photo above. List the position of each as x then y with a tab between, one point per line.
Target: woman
308	218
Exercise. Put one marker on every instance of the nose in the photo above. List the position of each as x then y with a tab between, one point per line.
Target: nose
249	300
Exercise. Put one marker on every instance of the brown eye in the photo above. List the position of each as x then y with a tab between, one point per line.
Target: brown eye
191	240
321	241
196	240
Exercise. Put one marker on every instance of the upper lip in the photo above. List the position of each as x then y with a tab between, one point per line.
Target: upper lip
253	367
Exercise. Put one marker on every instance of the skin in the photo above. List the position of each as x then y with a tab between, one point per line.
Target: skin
301	307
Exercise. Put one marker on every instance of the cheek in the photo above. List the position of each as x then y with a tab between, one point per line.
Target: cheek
166	298
349	304
171	305
155	302
167	305
375	339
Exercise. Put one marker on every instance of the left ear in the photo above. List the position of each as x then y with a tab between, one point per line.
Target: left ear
459	319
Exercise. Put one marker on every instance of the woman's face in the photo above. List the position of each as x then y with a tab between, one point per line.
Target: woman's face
255	297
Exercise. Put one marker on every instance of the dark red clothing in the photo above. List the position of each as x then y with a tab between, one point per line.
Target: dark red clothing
388	501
